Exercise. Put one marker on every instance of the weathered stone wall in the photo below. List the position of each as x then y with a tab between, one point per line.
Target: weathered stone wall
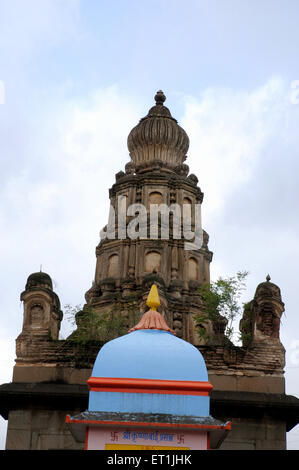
46	430
252	434
37	414
31	429
71	362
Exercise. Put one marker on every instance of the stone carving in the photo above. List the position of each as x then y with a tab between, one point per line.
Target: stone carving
178	324
193	179
182	169
129	168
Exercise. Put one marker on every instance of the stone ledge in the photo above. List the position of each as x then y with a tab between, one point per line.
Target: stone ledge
21	395
255	405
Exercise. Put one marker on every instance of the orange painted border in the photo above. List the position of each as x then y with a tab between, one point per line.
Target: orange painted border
86	437
131	385
208	440
143	424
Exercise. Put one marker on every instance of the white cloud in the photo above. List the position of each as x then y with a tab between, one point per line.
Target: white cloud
27	27
229	130
57	210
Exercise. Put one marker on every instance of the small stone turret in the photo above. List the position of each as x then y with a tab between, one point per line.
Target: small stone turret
261	318
42	313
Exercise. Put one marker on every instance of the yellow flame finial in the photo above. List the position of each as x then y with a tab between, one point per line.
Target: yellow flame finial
153	300
152	320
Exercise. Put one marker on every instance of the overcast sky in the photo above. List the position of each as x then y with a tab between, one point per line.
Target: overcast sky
76	76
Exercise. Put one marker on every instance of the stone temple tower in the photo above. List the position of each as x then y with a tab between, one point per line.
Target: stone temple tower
140	248
128	261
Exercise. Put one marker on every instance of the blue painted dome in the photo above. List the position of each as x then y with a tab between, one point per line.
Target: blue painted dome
150	354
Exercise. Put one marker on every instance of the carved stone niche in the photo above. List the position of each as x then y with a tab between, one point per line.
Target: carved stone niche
113	266
155	197
192	269
37	308
36	316
152	261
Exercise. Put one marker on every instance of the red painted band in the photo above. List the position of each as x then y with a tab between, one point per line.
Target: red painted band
87	422
131	385
139	390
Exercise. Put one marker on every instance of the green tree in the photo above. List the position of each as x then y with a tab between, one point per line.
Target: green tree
221	298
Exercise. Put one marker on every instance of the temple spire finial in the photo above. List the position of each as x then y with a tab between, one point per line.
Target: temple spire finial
160	97
153	300
152	320
268	277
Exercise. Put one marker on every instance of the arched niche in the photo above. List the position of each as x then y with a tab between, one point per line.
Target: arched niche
187	200
113	264
152	261
187	210
192	269
155	197
36	315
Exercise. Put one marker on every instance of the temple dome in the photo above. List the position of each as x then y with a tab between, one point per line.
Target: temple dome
268	289
158	137
39	279
150	354
151	351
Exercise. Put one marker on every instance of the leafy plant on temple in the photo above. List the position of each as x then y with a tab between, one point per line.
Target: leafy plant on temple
103	326
221	303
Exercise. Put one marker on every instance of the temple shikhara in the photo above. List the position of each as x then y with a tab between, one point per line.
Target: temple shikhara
136	372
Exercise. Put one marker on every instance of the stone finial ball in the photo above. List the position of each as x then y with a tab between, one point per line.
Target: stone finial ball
160	97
